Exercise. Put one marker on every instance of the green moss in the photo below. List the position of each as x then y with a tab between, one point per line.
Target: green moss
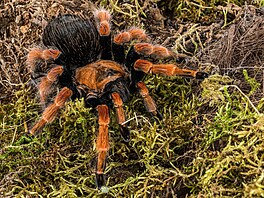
198	11
212	148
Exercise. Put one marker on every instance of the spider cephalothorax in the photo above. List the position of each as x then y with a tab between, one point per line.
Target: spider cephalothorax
84	60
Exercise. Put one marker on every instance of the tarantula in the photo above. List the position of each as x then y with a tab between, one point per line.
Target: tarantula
83	59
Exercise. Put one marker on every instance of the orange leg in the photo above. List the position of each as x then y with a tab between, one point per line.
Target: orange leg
131	34
103	17
155	50
47	81
102	143
118	104
149	103
167	69
37	54
50	112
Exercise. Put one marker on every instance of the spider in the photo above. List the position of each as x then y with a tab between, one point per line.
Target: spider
82	58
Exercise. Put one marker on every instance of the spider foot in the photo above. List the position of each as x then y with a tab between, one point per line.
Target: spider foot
157	115
29	135
125	133
100	180
39	54
26	138
103	17
201	75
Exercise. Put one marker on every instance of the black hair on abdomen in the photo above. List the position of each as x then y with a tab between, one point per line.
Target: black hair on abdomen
77	39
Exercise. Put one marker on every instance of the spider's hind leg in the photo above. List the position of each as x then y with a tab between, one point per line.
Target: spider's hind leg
103	18
118	93
147	49
129	35
125	37
37	57
40	61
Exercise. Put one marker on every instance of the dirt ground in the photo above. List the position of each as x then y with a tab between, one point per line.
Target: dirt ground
191	154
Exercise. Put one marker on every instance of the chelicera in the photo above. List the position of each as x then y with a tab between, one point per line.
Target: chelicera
84	60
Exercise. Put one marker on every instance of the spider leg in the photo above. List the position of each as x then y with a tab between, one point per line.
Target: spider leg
47	81
149	103
132	34
125	37
102	18
50	112
120	39
145	49
167	69
148	49
118	104
102	143
37	54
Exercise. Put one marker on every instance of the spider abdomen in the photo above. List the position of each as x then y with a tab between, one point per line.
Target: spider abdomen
76	38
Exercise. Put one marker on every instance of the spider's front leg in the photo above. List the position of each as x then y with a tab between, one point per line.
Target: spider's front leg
149	103
102	144
118	104
50	112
